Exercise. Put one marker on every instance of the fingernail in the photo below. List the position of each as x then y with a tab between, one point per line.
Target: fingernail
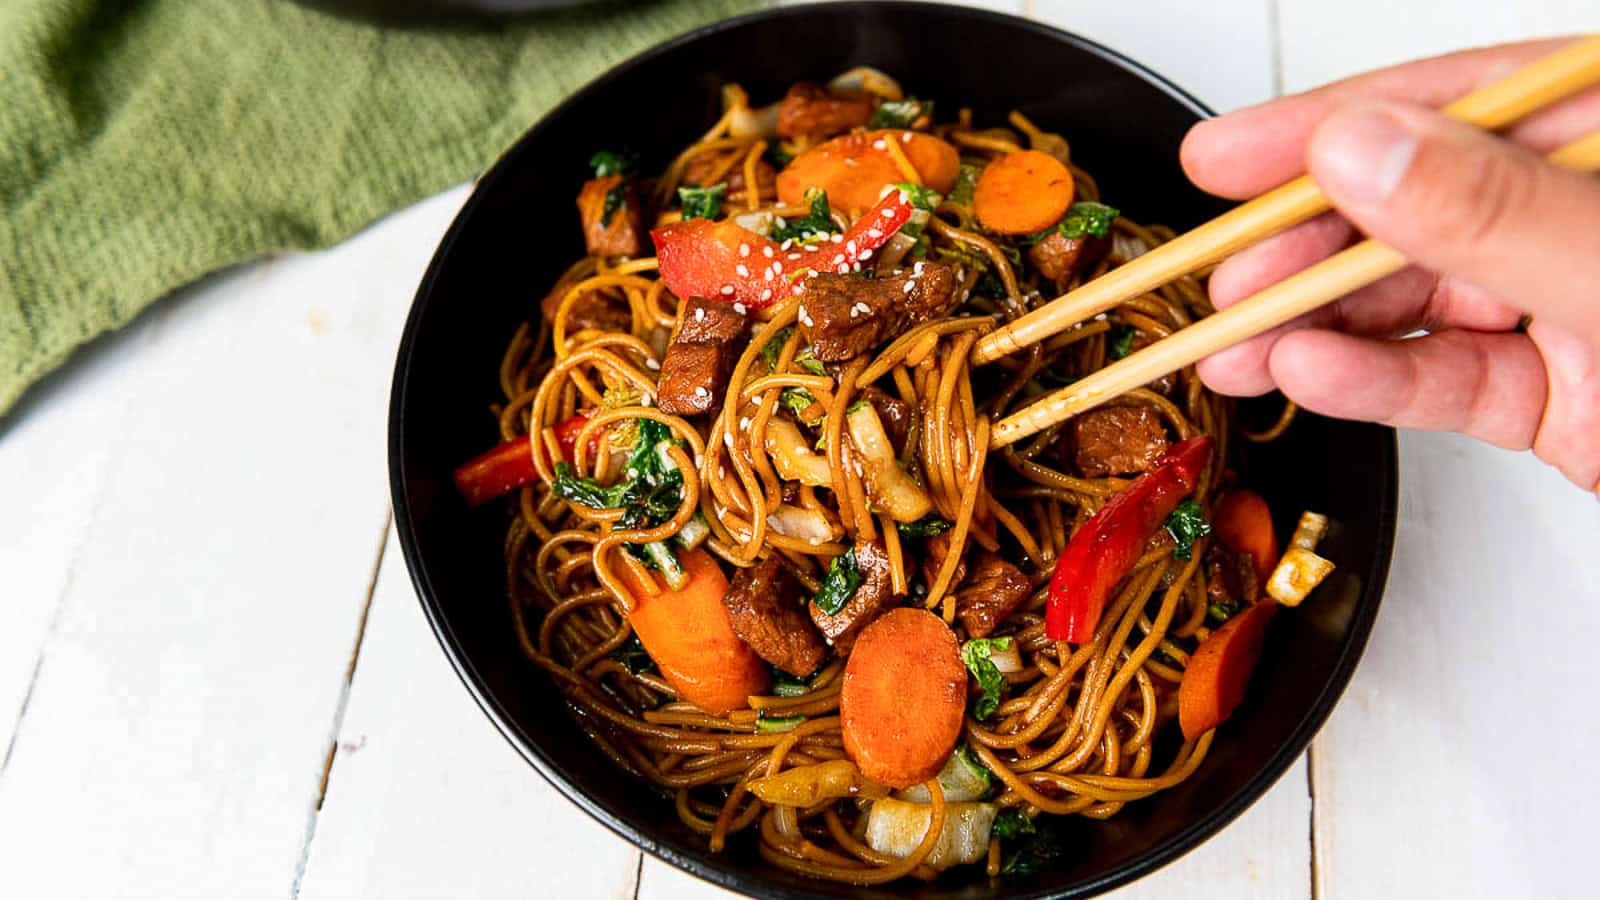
1362	154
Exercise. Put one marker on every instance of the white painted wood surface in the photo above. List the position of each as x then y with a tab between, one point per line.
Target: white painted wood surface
193	517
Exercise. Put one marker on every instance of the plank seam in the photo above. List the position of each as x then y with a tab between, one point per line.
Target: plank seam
1311	792
55	618
1275	40
638	875
339	711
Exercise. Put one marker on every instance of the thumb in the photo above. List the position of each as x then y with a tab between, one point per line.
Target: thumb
1467	204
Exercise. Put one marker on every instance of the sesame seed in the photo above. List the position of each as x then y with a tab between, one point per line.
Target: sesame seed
887	214
909	287
652	365
905	138
917	269
767	275
744	423
699	314
854	313
767	252
646	401
794	256
778	221
803	450
739	308
787	243
838	259
812	248
744	249
875	232
905	197
1100	318
844	268
797	293
851	161
801	314
766	294
838	238
632	472
850	248
727	290
701	392
879	145
865	254
742	270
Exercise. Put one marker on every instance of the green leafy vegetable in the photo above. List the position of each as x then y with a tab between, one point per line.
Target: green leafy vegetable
1082	218
976	654
702	202
766	724
1037	851
650	490
818	224
772	349
797	401
927	526
786	685
855	406
808	361
779	156
633	656
1187	524
966	182
1121	342
974	766
1011	823
900	113
605	162
840	584
1221	611
919	196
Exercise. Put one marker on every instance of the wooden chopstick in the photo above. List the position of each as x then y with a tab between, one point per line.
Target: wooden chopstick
1296	295
1548	79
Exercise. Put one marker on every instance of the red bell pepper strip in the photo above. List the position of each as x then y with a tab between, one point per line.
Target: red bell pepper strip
1219	671
1103	551
510	465
723	260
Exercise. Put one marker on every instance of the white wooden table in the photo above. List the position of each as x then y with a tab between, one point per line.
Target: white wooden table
215	680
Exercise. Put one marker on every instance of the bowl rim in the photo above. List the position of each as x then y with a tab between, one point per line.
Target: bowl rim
715	869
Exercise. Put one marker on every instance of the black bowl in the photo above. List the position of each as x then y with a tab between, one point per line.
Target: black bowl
517	233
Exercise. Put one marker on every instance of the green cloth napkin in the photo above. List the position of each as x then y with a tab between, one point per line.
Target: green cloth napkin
144	143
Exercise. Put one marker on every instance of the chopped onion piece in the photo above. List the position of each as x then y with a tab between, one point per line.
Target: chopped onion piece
888	486
1297	573
1309	531
806	786
962	778
893	252
758	222
802	524
866	78
1008	660
896	828
793	457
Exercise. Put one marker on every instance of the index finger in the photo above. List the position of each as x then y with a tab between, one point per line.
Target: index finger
1255	149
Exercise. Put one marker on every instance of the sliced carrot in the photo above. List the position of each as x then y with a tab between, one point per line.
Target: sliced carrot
853	168
904	697
1244	523
1022	192
691	639
1219	670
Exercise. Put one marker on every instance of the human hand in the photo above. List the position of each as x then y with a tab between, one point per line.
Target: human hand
1496	233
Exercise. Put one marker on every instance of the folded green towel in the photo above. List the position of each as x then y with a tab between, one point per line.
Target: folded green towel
144	143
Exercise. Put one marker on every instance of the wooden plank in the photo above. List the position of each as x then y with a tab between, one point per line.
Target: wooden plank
425	799
1253	857
1221	52
1456	764
185	699
1326	41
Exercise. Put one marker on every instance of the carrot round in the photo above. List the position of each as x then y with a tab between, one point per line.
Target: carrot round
904	697
1244	523
1219	670
1022	192
853	168
690	637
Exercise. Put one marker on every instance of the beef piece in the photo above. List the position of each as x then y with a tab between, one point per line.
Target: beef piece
1230	576
700	358
893	412
811	109
700	169
620	234
767	612
935	549
843	316
1059	258
1118	440
874	596
589	311
993	591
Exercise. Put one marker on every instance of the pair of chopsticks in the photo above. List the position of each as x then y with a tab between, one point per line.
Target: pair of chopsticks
1534	87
